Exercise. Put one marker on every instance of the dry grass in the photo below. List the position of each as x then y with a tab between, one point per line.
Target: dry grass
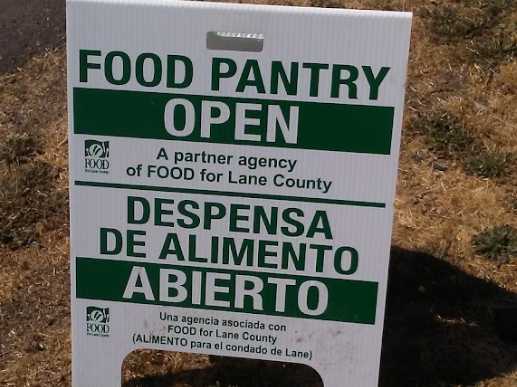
34	313
33	174
34	280
455	209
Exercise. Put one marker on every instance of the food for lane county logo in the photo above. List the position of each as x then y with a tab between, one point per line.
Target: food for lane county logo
97	321
96	156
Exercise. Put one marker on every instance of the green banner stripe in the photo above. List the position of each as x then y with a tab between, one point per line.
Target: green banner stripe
321	126
348	300
193	191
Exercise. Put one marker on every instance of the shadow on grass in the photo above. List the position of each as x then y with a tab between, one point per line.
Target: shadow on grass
439	328
439	332
236	373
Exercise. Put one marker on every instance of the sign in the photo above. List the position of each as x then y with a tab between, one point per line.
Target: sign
232	176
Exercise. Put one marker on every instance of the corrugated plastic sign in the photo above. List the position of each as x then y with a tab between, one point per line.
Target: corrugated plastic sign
232	176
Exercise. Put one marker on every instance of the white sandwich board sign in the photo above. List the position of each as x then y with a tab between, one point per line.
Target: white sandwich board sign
232	177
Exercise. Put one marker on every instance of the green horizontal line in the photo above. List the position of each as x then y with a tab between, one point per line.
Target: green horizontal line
231	194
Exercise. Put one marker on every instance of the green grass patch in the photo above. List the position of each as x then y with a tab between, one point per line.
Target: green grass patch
29	203
497	243
491	164
450	138
464	19
18	148
446	133
499	47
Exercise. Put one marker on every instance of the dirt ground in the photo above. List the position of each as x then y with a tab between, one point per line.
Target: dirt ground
453	273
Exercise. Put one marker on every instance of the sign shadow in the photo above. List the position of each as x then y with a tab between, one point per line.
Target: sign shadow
440	328
439	331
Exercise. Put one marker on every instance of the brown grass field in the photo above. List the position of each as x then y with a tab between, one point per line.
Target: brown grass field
454	255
